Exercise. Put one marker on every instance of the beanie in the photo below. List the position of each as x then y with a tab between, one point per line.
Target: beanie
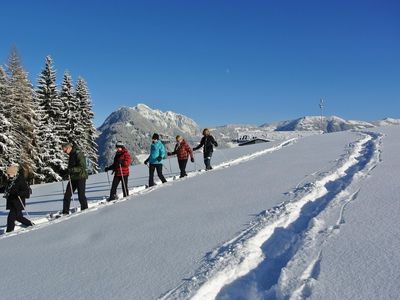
119	144
155	136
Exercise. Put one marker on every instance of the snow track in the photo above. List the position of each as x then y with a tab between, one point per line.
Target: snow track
141	189
278	255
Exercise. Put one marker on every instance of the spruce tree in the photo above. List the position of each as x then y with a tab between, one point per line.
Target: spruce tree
7	145
22	114
89	132
70	110
50	110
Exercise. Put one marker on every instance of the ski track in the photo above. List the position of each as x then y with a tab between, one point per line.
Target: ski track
138	190
279	254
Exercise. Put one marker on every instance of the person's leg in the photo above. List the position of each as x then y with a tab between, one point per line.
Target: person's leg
160	174
20	218
182	167
151	174
81	183
12	216
113	191
209	157
67	198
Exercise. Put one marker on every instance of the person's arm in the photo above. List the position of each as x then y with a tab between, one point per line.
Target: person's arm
161	153
125	161
214	142
20	188
173	152
80	163
189	150
200	145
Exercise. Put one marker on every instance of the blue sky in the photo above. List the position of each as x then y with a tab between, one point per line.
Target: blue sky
218	62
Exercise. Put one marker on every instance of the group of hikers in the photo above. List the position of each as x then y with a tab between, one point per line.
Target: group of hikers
17	189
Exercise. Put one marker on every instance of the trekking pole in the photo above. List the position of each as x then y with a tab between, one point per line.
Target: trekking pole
170	168
62	183
72	193
27	213
108	178
124	187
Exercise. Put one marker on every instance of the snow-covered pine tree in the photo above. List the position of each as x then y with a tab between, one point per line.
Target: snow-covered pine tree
70	111
89	145
7	145
22	114
50	110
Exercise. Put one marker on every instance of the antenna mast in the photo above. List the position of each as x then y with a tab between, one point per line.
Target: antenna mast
321	107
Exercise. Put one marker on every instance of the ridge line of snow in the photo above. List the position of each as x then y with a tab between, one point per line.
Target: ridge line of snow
243	254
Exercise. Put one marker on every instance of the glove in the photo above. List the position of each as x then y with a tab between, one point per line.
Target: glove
192	159
121	162
146	161
106	169
159	158
169	153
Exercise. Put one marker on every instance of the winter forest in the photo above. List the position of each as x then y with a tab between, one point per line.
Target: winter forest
36	120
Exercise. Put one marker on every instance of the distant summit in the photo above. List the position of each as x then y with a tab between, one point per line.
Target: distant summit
316	123
387	122
134	127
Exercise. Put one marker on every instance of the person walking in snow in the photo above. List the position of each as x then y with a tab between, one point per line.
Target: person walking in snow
120	168
182	150
207	142
77	175
157	153
16	191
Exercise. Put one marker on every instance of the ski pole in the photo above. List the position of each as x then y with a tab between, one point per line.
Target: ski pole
62	183
72	193
170	168
124	187
23	206
108	178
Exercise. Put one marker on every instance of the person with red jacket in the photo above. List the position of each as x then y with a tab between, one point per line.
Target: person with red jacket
182	150
120	168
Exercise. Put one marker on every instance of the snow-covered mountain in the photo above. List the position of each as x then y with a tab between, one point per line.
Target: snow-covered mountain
387	122
317	123
135	125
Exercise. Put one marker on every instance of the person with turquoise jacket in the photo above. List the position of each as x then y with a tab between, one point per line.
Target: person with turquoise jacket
157	154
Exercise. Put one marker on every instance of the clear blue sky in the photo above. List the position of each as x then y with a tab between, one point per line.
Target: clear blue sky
218	62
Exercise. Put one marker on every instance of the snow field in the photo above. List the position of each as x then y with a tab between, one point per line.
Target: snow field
314	220
281	230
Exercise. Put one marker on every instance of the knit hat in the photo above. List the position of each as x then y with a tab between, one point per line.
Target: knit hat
119	144
155	136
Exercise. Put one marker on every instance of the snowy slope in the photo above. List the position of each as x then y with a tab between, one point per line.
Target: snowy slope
270	224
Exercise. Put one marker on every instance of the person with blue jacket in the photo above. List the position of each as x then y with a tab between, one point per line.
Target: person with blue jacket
157	153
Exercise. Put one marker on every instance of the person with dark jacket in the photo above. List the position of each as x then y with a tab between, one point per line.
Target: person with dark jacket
157	153
77	175
120	168
207	142
182	151
16	191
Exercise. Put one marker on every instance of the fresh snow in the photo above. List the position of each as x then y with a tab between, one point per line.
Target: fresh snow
308	217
